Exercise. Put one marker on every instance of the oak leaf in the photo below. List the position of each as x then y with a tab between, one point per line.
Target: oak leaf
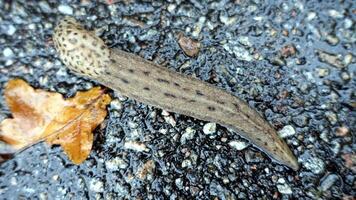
40	115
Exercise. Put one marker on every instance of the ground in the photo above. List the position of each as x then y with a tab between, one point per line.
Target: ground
293	61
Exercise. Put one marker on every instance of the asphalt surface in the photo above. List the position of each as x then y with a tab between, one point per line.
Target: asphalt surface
293	61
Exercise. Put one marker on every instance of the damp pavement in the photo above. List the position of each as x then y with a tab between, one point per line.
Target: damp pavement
293	61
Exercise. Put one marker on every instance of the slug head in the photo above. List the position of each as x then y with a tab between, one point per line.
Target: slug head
80	50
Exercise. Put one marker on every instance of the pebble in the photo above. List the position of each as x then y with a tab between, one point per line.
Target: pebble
189	46
187	163
311	16
179	183
335	14
209	128
10	30
115	164
146	170
171	7
239	52
44	7
283	187
345	76
136	146
328	182
238	145
244	40
116	104
347	59
187	135
342	131
227	20
288	51
286	131
314	164
7	52
348	23
330	59
322	72
331	116
96	185
65	9
332	40
198	27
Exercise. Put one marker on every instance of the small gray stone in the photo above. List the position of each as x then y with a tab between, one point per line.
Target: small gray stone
328	182
11	30
187	135
65	9
45	7
331	116
314	164
179	183
286	131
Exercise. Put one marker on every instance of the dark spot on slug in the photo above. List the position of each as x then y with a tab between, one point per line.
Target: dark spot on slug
198	92
108	73
162	80
192	101
124	80
84	36
131	70
146	73
177	84
146	88
186	89
211	108
237	106
169	95
113	61
102	47
220	102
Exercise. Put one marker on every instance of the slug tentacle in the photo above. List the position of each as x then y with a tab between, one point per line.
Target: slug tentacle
155	85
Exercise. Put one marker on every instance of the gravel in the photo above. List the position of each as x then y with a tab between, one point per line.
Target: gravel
292	61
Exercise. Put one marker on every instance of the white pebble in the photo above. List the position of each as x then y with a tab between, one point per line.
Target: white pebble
238	145
136	146
7	52
11	30
209	128
65	9
96	185
283	187
286	131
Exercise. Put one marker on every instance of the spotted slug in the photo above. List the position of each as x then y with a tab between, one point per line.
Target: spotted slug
132	76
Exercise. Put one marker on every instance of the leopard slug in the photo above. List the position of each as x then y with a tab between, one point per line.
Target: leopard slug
132	76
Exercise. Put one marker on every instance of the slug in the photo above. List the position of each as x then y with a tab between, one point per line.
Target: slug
132	76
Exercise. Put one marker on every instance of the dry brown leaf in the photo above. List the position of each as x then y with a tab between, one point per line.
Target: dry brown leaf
40	115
